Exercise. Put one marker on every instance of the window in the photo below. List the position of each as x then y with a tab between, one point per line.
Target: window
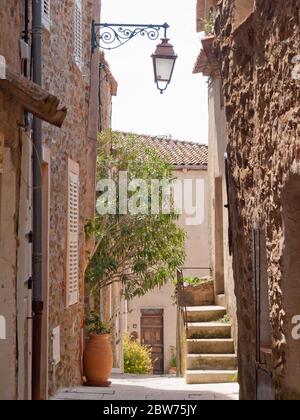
46	13
73	228
78	53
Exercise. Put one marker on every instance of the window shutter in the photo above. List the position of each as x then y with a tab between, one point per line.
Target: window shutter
73	228
78	54
46	13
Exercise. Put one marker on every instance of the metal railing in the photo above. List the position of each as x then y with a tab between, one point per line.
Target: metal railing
181	301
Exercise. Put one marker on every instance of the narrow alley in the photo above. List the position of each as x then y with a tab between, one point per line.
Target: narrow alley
155	388
149	201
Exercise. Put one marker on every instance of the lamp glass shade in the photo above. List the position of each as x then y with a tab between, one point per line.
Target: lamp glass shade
164	69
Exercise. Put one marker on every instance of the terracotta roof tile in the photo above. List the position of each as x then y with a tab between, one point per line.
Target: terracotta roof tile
177	152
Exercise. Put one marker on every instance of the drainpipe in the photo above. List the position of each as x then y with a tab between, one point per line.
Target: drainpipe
26	39
37	302
26	32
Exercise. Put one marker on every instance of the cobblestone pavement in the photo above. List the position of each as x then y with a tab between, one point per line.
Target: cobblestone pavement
132	387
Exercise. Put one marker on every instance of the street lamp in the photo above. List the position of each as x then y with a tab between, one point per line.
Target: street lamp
110	36
164	60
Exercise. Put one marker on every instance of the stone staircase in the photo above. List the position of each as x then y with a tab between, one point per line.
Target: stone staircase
210	349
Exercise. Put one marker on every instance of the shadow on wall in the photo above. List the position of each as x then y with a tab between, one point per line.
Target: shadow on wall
291	286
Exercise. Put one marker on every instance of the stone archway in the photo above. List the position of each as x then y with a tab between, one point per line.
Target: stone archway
291	285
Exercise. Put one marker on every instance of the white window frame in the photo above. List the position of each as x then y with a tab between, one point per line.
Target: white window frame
46	14
78	34
2	328
72	274
56	346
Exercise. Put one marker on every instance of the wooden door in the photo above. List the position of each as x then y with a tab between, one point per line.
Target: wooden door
152	335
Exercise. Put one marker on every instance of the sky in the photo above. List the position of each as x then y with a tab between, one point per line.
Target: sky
182	111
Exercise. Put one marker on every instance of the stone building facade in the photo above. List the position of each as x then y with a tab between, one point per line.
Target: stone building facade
19	96
11	121
69	70
69	136
258	46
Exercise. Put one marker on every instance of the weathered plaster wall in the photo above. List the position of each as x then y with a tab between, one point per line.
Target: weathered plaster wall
197	255
197	252
160	298
262	112
217	144
11	117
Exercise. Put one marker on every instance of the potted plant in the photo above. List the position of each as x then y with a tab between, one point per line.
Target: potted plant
98	355
173	362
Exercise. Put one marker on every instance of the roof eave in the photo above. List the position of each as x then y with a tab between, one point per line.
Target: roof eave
207	63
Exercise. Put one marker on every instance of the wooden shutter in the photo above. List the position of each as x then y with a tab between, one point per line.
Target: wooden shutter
73	230
46	13
78	55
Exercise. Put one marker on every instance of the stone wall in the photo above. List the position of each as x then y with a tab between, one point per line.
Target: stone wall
262	113
75	140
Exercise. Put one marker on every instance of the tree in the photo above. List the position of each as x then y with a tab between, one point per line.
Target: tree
140	250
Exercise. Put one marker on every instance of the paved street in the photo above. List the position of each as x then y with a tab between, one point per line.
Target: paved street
132	387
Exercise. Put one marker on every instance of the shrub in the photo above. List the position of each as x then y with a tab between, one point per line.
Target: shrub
194	281
137	357
173	362
94	325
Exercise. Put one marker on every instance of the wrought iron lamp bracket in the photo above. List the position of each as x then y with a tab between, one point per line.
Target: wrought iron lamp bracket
110	36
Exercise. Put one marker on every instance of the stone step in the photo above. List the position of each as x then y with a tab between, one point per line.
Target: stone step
208	330
211	361
210	376
205	313
210	346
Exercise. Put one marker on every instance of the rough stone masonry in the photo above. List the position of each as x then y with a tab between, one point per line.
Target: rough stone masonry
262	101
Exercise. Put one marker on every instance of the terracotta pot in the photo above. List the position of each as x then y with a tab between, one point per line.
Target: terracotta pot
172	371
98	360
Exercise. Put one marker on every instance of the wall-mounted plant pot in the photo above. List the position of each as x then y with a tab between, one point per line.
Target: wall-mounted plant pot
98	360
172	371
